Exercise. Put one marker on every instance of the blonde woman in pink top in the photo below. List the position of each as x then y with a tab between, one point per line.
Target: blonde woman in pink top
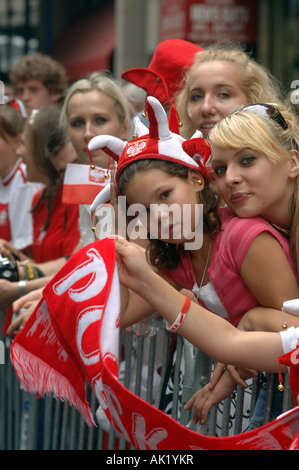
255	159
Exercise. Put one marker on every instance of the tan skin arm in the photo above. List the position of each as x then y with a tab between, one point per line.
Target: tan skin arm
258	319
9	291
263	258
208	332
265	270
268	274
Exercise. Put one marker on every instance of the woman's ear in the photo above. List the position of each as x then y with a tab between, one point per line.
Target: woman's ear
197	179
125	131
294	168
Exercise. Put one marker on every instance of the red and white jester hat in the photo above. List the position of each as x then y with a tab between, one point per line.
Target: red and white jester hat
157	142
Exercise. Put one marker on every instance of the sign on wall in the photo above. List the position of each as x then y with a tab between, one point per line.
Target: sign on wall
208	21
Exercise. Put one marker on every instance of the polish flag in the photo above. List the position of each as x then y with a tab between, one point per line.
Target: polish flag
82	184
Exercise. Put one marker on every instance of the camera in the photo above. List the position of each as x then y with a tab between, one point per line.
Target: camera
8	269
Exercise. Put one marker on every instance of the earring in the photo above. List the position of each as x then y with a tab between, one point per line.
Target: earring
200	182
285	322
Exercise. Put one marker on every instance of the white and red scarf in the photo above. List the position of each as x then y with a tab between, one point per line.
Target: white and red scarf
73	337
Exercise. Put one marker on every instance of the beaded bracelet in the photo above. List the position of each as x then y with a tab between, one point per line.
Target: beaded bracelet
180	316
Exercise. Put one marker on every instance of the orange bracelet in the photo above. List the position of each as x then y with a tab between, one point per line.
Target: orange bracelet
177	323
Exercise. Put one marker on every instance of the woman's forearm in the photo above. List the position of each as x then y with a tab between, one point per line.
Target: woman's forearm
211	333
205	330
133	308
267	319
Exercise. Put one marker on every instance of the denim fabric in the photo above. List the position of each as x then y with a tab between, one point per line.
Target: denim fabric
257	419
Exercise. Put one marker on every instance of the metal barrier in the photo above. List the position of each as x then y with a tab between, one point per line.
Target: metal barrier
152	363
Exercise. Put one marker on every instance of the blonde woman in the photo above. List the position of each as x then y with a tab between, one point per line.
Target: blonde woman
256	164
222	79
95	105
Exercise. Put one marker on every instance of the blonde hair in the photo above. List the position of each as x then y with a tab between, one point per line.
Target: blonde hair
102	82
257	84
265	135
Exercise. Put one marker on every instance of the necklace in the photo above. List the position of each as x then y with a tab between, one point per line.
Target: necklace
207	262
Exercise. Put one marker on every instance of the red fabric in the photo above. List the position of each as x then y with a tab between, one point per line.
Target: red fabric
5	232
295	443
291	360
160	144
63	233
73	337
81	183
165	74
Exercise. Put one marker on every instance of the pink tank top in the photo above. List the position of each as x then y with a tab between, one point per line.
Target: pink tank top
229	249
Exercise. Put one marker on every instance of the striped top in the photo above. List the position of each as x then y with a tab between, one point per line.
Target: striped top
229	249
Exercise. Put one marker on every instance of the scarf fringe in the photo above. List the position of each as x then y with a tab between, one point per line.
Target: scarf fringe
36	376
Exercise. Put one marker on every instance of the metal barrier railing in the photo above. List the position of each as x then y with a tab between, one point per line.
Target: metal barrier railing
151	365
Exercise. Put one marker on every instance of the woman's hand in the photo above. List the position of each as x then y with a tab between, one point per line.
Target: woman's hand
18	322
25	305
236	373
132	264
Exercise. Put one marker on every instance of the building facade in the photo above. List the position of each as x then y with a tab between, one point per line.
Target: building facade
88	35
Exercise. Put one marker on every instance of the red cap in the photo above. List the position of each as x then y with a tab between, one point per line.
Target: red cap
163	77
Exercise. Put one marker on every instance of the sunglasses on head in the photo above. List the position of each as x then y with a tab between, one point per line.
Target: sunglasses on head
268	110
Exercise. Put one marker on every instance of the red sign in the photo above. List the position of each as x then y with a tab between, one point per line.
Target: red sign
173	19
207	21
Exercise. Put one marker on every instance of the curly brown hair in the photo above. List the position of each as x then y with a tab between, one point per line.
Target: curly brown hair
40	67
159	253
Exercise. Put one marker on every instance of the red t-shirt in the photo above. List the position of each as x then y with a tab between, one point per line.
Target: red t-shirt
63	233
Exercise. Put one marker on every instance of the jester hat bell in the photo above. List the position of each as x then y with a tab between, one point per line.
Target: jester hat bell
157	142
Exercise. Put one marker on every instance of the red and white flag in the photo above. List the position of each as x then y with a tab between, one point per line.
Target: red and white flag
73	337
82	184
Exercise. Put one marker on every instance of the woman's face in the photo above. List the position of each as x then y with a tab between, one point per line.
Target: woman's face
252	185
167	204
93	113
65	155
215	92
34	174
8	153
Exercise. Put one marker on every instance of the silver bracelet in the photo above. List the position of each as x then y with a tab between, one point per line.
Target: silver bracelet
22	288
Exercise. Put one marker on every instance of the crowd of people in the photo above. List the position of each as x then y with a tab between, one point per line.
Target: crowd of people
216	131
